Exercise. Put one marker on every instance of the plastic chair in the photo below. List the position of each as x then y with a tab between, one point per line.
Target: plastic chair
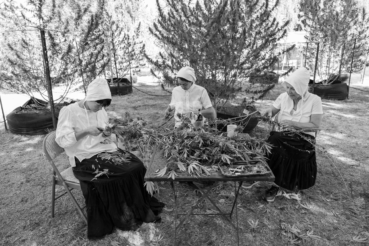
65	178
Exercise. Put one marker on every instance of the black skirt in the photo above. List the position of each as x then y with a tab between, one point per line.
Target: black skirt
114	192
293	160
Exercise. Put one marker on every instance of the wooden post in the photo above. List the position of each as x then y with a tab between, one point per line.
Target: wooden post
47	76
316	65
108	46
80	68
306	49
114	52
352	61
2	111
363	75
342	52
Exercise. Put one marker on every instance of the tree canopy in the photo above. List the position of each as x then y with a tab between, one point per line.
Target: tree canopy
224	41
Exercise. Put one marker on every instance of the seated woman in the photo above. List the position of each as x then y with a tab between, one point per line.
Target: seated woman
112	180
292	158
189	97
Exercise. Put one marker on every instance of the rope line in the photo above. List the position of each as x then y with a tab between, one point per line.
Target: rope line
359	89
149	93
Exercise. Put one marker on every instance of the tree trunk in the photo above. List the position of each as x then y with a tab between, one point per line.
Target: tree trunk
47	76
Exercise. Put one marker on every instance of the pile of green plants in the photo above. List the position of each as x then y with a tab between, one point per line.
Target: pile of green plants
189	150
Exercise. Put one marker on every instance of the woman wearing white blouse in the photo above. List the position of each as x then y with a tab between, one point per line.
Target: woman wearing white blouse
188	97
111	179
292	158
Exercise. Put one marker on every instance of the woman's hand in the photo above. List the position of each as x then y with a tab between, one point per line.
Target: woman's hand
267	112
168	112
288	124
93	130
107	131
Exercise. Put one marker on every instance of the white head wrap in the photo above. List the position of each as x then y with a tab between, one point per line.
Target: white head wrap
299	79
187	73
98	90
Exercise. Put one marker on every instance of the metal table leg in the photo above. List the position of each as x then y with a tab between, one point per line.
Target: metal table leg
175	211
205	195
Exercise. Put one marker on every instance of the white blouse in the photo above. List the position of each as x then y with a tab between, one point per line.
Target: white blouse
310	104
191	100
74	118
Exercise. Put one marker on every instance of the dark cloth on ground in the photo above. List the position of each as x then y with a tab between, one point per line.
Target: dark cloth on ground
114	192
292	160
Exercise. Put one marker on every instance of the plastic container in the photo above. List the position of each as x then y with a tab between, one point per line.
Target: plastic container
231	131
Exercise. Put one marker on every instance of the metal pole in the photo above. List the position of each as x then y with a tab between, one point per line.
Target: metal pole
363	75
47	76
342	52
352	61
316	64
2	111
307	47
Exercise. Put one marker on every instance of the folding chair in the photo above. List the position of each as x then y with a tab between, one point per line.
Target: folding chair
65	178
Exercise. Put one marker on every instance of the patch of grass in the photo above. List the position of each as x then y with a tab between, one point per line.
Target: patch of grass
329	213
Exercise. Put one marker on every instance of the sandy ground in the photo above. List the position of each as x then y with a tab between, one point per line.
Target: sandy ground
333	212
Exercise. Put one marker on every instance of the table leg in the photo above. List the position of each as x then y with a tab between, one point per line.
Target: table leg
204	195
175	211
220	211
235	204
236	192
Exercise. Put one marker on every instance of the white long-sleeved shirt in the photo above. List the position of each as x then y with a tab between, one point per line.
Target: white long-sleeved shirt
310	104
191	100
74	118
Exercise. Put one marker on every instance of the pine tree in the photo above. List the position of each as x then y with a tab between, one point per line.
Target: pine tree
224	41
122	39
27	28
336	26
28	70
130	48
87	31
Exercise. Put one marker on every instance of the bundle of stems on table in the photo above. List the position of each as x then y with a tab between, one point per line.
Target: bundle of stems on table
189	149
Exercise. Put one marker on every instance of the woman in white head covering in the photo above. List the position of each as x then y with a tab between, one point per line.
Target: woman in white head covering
292	158
188	97
118	197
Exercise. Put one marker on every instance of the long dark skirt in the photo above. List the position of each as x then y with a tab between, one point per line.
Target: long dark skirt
115	196
292	160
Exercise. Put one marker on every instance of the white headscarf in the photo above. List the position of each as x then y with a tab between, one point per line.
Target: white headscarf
299	79
187	73
98	90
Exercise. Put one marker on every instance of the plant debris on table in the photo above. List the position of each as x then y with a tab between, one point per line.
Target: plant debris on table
191	150
245	170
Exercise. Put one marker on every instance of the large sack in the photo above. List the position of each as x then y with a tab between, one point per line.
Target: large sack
32	118
120	86
333	91
228	112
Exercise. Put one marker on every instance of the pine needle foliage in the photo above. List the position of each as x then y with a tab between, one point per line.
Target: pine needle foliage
225	41
90	41
125	45
336	26
23	46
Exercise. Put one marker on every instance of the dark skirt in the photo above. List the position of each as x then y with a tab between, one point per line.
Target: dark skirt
115	196
292	160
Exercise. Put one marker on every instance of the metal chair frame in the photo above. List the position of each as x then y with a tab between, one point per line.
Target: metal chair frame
51	151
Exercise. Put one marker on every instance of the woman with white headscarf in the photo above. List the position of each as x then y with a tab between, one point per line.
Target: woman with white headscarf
188	97
111	179
292	158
